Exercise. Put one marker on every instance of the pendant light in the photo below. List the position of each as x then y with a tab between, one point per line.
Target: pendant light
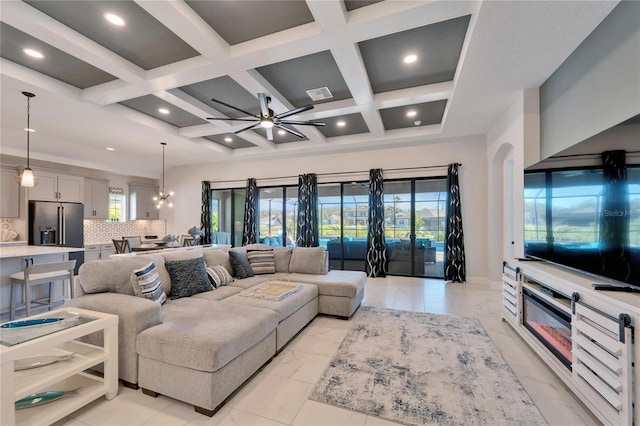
162	196
27	178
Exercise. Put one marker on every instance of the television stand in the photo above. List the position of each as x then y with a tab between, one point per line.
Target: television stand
587	337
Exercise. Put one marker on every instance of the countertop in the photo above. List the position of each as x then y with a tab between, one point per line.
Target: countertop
26	251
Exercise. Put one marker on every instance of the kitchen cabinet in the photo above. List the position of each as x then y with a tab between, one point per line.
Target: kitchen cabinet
96	199
141	204
66	375
54	187
98	251
9	193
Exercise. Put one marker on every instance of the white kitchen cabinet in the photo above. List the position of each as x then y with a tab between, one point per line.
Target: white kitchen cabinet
9	193
54	187
141	204
98	251
96	199
91	252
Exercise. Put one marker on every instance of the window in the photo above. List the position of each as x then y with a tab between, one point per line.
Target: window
117	207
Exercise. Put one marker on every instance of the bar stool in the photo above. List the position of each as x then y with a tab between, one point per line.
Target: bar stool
189	241
40	273
122	246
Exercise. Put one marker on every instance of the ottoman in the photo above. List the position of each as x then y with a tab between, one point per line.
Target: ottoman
294	312
204	350
339	292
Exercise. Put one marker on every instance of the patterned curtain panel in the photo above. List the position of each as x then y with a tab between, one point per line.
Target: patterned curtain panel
454	259
376	264
616	208
249	234
205	213
307	211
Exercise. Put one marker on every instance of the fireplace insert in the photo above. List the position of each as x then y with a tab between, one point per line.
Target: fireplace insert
549	324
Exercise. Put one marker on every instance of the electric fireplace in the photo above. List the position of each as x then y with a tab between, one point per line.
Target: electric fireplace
549	324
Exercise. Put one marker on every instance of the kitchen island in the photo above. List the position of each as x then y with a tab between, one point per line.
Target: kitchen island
15	258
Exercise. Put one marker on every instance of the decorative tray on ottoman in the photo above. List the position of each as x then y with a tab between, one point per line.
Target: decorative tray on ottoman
271	290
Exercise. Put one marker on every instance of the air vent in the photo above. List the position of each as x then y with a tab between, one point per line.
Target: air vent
319	94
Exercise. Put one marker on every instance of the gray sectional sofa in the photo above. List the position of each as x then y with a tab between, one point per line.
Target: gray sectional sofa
200	348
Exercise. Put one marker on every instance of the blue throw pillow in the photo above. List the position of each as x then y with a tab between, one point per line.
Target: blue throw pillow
240	264
146	283
188	277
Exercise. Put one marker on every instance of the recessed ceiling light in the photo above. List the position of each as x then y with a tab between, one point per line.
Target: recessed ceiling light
281	132
341	124
33	53
409	59
163	111
228	139
110	149
411	113
114	19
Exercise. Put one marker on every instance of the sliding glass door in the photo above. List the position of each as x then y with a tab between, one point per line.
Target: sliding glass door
278	208
414	226
414	222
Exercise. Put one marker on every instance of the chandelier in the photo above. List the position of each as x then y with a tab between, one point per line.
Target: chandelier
162	197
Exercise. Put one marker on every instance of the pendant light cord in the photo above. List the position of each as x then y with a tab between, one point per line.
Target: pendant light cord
28	128
163	145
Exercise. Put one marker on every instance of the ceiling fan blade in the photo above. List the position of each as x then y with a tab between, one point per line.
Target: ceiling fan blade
253	126
269	133
232	107
264	105
287	129
294	111
232	119
302	123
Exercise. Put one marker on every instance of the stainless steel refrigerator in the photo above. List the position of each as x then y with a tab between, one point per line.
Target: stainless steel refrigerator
57	225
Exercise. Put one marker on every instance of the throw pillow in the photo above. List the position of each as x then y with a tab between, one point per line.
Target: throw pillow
146	283
240	264
219	276
283	258
262	261
188	277
308	260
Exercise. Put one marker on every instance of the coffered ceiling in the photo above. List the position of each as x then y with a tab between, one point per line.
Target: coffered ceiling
151	80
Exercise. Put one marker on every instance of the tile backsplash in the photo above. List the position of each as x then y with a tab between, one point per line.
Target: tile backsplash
101	231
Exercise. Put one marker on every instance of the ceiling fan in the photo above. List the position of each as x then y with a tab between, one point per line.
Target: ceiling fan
267	120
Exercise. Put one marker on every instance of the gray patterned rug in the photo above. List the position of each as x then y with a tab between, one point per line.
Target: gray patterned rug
424	369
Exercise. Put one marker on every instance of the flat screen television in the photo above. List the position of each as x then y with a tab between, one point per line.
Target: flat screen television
577	218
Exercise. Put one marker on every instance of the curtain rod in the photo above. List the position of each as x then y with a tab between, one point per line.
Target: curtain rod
558	157
340	173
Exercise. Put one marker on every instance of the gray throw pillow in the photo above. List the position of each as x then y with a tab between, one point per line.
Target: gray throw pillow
188	277
240	264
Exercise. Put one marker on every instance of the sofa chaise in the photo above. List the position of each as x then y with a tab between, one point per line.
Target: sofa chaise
203	342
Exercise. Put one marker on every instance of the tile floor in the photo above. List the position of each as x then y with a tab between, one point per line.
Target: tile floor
277	395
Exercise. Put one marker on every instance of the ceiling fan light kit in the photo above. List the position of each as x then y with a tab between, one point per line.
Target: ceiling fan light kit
267	120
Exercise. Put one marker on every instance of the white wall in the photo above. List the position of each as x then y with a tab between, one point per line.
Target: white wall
512	138
470	151
598	86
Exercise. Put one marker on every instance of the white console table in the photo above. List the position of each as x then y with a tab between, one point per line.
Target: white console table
64	375
603	328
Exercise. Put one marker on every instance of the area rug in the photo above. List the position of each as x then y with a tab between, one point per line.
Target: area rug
424	369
